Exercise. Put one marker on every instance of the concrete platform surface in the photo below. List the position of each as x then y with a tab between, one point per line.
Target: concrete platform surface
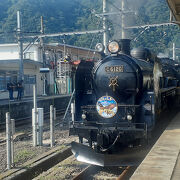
163	160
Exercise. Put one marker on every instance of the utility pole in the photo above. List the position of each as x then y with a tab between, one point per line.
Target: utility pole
105	38
64	51
41	41
66	67
34	116
122	20
170	16
20	45
174	52
43	57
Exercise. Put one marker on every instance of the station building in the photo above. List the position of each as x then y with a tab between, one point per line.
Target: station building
58	80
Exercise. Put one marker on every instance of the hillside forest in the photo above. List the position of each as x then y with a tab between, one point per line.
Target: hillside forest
83	15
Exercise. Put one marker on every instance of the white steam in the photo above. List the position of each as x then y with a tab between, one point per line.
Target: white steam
131	14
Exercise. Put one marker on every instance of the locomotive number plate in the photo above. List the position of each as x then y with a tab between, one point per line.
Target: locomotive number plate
110	69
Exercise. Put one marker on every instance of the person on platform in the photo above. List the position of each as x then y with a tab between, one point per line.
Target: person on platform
19	89
10	89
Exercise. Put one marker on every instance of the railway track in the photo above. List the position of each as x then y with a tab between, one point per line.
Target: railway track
124	173
110	173
81	171
121	173
45	160
36	166
62	165
87	172
24	126
70	168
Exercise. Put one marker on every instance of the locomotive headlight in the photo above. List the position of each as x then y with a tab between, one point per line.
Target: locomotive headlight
113	47
99	47
83	116
129	117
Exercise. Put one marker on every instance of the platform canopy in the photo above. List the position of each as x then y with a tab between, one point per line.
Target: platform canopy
175	8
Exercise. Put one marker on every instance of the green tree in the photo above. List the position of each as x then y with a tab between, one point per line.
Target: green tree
80	15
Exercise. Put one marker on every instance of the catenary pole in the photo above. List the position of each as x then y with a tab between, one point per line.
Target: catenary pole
105	38
34	116
52	140
12	140
43	56
174	52
8	140
42	42
20	46
123	20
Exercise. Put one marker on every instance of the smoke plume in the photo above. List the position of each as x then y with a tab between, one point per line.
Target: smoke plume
132	8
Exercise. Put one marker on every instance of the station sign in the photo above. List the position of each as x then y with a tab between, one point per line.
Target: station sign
43	70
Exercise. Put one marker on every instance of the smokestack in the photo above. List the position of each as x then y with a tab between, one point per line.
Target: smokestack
125	46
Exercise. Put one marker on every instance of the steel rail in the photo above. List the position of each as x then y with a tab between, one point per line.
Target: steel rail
92	170
83	175
123	174
35	167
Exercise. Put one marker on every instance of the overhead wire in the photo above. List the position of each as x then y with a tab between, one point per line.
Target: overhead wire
90	9
140	33
114	5
98	39
142	26
111	3
98	25
135	14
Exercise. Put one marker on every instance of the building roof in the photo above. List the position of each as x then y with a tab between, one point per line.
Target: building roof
174	5
50	45
10	61
15	44
70	46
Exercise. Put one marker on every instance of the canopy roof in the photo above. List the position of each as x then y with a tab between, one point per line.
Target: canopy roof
174	5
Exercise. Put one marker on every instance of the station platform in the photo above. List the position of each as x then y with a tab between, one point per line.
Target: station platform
23	108
29	99
163	160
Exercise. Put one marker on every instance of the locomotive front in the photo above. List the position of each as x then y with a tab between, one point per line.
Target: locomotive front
107	111
116	83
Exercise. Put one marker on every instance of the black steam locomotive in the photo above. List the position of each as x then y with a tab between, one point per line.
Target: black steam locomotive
118	98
